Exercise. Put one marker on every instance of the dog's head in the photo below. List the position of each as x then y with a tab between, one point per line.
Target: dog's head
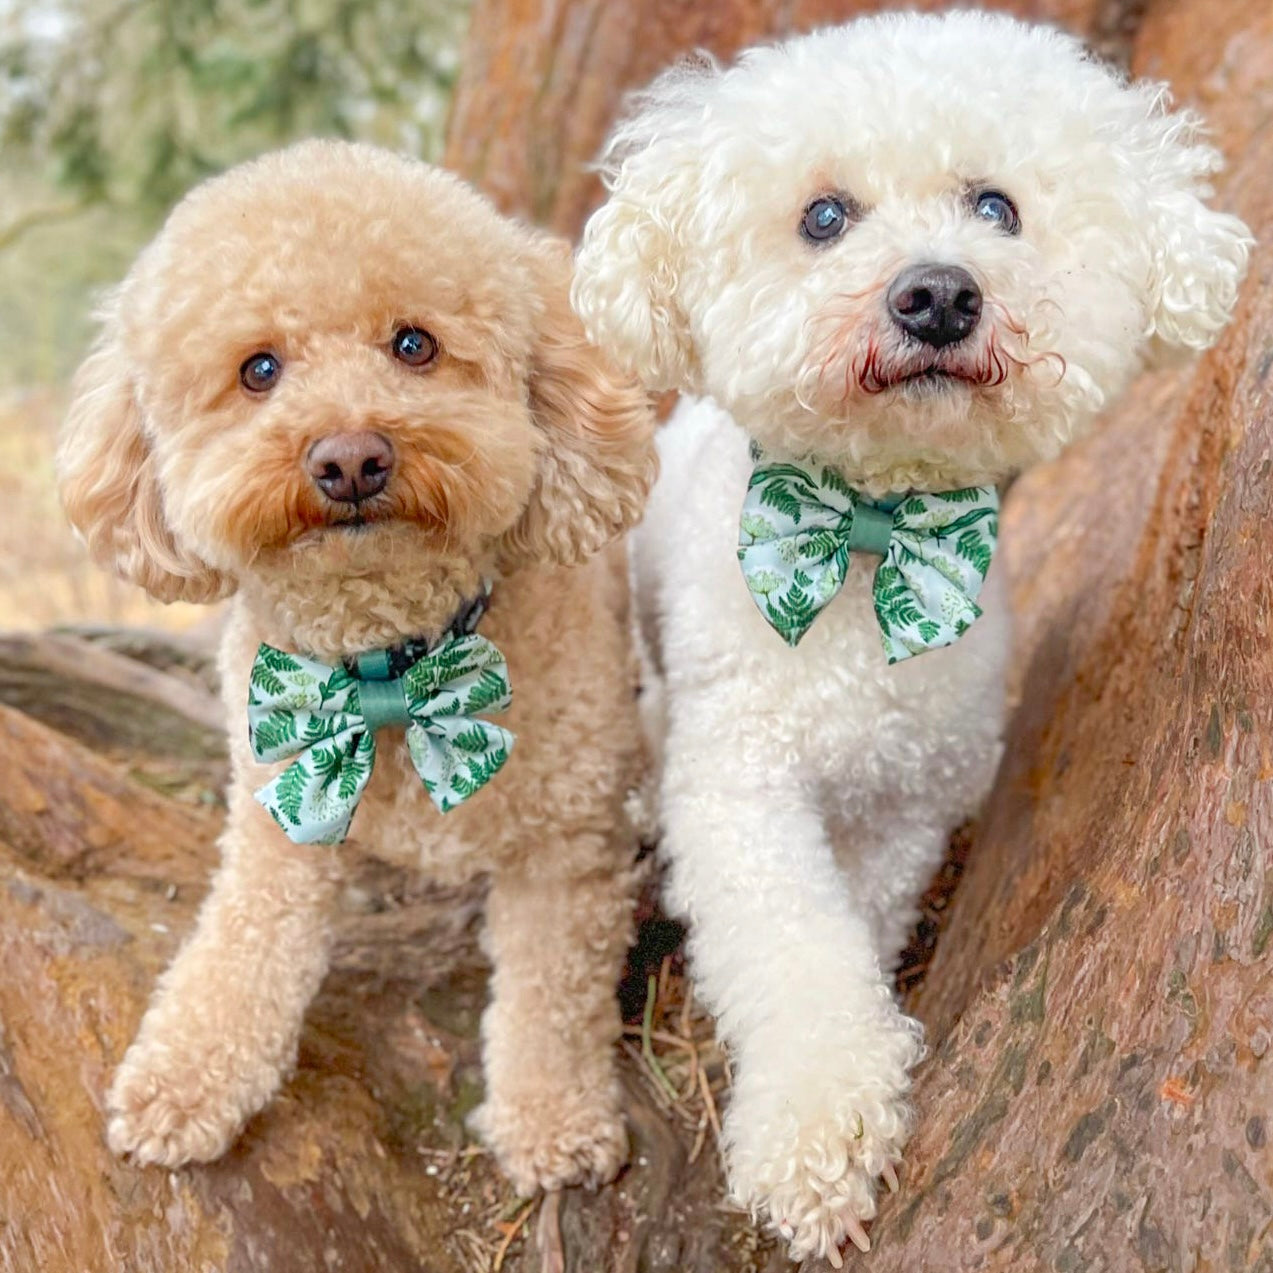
926	248
336	342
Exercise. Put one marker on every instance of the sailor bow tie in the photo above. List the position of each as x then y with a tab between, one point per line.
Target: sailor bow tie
801	521
327	717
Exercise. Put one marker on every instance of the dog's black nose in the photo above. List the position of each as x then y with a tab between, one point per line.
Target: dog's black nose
938	304
349	467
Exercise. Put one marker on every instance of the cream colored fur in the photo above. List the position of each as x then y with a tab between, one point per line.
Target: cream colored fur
808	794
520	453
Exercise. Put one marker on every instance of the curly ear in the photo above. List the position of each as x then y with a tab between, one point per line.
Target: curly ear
109	489
1199	256
597	459
628	272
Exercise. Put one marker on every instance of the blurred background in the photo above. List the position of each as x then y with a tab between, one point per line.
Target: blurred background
109	111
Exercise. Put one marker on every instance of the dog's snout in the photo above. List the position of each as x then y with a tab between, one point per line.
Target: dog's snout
938	304
349	467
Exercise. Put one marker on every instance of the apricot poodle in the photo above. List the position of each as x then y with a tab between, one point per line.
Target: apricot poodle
343	391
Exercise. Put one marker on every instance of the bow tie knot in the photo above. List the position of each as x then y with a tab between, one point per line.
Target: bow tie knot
328	719
801	521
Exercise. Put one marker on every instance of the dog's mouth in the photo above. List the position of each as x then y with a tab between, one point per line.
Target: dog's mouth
374	514
931	382
933	376
918	379
918	372
352	523
354	516
347	521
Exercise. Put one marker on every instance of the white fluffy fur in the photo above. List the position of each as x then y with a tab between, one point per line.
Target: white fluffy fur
808	794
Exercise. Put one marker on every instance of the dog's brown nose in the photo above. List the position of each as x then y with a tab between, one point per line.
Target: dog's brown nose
938	304
349	467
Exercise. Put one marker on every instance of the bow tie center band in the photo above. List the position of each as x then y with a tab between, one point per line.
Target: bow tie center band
801	521
328	717
381	695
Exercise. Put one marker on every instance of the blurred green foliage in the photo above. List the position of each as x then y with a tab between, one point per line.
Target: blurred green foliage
111	109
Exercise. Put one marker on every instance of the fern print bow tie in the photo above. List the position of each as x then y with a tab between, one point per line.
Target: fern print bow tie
800	522
328	718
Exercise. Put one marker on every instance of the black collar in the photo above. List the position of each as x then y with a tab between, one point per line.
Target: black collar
406	654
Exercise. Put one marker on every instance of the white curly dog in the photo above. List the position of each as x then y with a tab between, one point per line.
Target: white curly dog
911	254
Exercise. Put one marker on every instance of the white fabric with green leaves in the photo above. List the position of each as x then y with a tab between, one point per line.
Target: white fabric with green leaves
801	521
300	707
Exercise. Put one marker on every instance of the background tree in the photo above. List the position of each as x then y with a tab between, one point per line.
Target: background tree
132	101
111	109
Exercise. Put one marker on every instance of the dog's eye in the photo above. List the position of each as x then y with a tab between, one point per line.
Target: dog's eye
825	218
998	210
414	346
260	373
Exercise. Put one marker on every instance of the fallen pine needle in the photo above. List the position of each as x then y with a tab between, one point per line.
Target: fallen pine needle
700	1138
510	1230
646	1075
694	1072
662	1036
508	1211
710	1101
647	1046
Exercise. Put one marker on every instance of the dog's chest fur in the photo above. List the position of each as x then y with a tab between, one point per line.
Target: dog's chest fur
867	735
563	634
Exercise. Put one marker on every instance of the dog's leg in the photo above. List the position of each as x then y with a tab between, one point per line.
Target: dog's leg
785	957
556	940
222	1028
888	863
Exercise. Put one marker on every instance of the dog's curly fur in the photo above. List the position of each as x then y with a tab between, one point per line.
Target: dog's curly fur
808	794
520	453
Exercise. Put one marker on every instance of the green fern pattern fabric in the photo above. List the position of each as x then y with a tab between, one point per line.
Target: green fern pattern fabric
300	707
800	522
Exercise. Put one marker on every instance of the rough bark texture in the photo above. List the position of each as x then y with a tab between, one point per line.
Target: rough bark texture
1100	1005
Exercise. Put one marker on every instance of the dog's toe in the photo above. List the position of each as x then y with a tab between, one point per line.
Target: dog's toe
168	1119
545	1146
817	1184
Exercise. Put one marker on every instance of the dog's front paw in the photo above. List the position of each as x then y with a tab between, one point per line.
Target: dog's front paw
167	1111
811	1172
552	1142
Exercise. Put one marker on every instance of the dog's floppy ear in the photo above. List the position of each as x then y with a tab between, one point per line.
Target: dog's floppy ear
1199	256
108	485
628	273
597	461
